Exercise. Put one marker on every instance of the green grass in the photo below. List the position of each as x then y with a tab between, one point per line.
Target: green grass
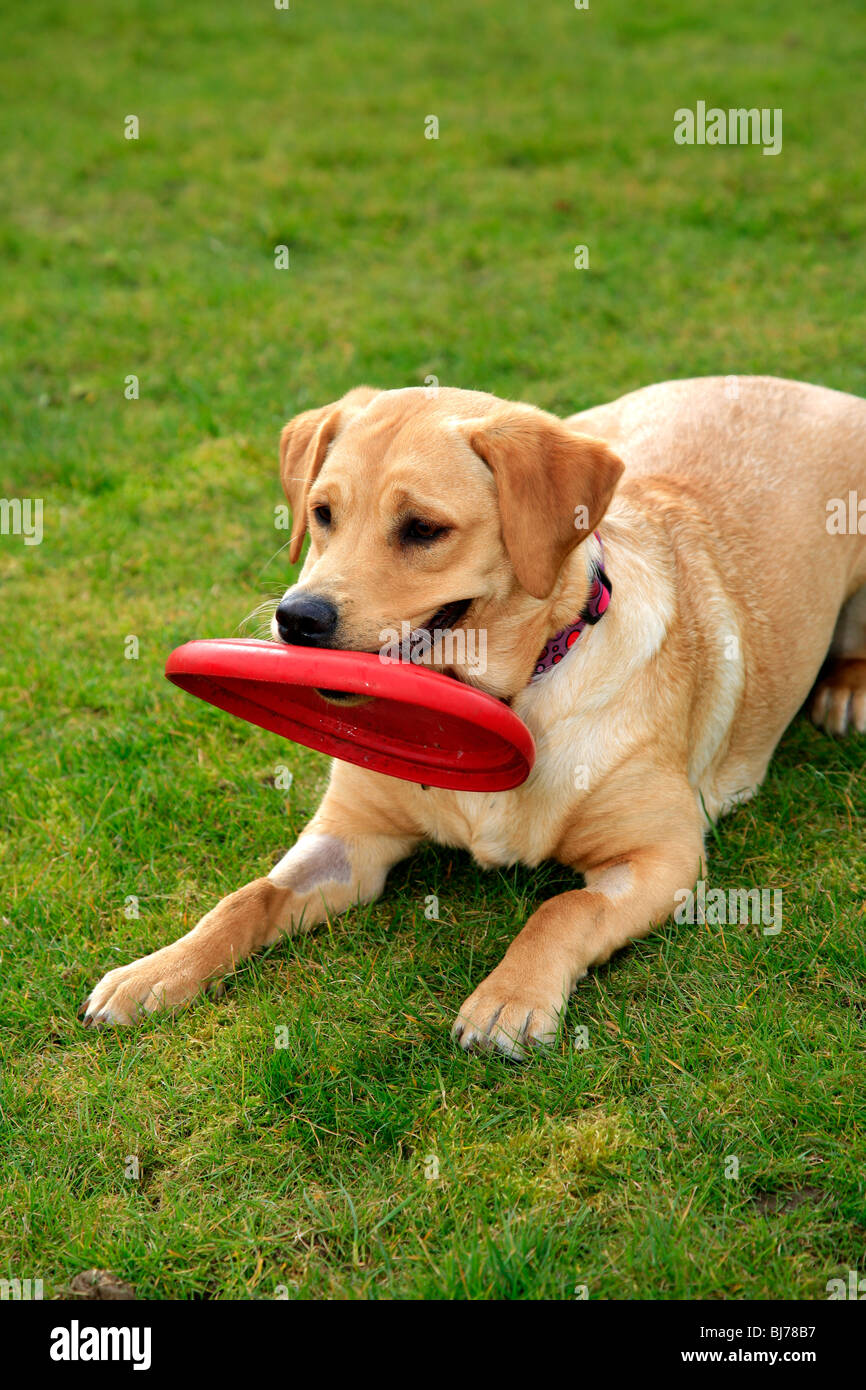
306	1165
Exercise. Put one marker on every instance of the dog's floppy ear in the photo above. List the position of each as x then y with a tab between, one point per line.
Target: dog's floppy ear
554	487
304	442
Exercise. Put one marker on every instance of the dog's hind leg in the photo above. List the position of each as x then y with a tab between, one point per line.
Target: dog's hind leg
839	699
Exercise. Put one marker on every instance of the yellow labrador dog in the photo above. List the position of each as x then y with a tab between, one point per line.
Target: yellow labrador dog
725	521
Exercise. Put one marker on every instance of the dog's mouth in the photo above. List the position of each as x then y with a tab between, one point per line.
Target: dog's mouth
441	621
446	617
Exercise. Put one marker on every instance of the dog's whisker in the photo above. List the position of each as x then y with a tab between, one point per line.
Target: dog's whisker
276	553
255	612
267	605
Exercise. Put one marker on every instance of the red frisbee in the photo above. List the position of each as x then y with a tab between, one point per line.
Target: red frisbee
415	724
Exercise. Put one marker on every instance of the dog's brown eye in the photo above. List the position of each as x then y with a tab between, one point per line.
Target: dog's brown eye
322	515
418	530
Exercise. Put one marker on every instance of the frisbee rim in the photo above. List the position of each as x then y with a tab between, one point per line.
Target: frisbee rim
245	661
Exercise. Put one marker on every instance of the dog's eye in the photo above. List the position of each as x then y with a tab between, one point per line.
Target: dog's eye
419	530
322	515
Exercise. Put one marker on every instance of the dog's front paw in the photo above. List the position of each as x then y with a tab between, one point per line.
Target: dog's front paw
163	980
516	1016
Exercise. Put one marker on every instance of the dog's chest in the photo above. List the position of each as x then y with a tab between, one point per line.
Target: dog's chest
497	828
524	825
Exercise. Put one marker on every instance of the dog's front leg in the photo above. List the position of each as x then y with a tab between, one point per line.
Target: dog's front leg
342	858
519	1005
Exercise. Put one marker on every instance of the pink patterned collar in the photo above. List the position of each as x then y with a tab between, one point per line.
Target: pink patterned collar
595	607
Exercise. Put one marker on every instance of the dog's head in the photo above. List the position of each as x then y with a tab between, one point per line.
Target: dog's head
441	512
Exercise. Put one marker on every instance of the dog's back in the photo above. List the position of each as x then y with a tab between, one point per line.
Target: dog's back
764	482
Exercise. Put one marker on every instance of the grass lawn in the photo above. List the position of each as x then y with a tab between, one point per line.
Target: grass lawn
310	1167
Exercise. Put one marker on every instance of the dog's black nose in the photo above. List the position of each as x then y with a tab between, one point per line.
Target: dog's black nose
306	621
